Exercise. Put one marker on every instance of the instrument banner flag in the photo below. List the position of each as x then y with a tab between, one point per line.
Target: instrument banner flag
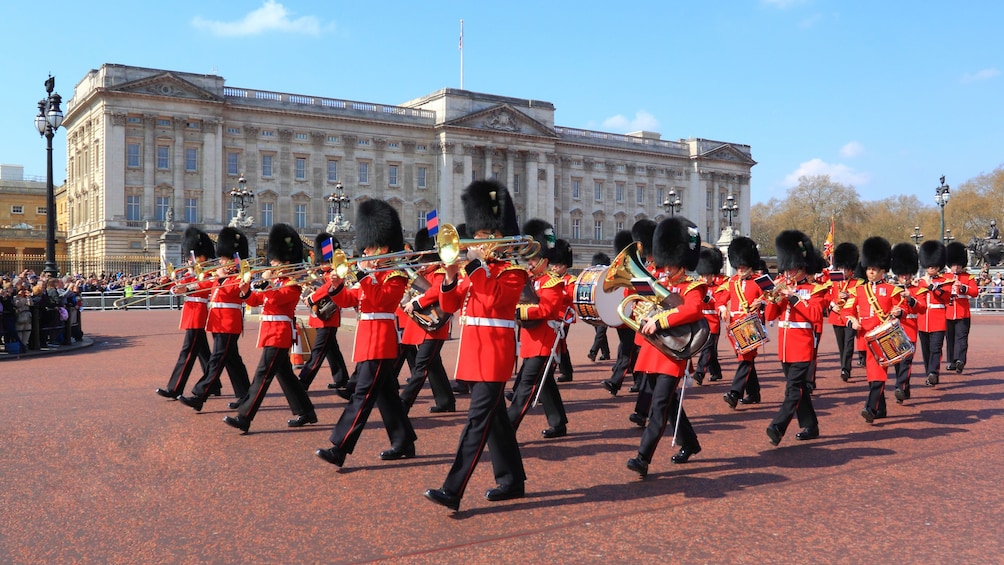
836	276
432	223
327	250
764	282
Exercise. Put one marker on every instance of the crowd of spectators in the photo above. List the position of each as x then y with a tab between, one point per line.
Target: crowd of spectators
990	289
37	311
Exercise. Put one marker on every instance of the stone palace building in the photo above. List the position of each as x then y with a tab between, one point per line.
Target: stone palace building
149	145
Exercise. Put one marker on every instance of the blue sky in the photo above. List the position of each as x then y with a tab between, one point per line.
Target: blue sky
884	96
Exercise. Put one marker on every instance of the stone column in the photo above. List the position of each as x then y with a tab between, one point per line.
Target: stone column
212	173
178	171
548	194
149	165
531	184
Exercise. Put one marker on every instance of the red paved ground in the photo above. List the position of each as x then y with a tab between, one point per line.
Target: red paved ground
97	468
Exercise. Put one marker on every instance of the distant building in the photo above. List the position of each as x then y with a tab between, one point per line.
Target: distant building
23	221
142	141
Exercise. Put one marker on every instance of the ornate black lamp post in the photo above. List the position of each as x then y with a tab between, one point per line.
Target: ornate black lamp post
917	237
336	200
672	204
941	198
243	197
48	120
948	236
730	208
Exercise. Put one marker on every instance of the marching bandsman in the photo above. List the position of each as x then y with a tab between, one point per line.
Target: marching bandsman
276	334
797	303
709	269
741	301
874	303
600	344
376	296
539	326
642	232
958	317
627	349
676	249
562	260
905	265
487	300
225	321
194	243
326	318
931	325
845	260
428	356
821	277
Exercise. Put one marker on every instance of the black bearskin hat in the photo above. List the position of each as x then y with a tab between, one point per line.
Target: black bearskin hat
378	225
676	243
543	233
197	241
743	253
488	206
845	256
932	254
231	241
621	240
876	252
904	259
818	265
601	259
319	240
711	261
462	231
859	272
562	253
284	244
642	232
956	254
794	251
423	242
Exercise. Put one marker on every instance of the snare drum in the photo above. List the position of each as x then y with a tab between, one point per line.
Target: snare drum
747	333
592	304
889	343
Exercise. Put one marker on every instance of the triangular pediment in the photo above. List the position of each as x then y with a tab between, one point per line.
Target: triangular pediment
503	118
726	152
167	84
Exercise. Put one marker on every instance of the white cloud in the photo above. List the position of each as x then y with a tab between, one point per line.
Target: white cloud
838	173
272	16
852	149
984	74
642	121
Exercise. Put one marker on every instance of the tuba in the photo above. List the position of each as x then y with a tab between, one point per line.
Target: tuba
628	271
430	318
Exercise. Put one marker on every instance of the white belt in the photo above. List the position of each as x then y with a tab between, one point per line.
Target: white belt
271	318
795	325
195	299
376	316
709	312
225	305
488	322
911	316
935	306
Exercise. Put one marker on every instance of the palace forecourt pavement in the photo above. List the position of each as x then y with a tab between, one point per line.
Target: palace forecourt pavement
98	468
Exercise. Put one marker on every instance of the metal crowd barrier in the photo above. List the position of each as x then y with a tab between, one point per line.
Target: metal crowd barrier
140	300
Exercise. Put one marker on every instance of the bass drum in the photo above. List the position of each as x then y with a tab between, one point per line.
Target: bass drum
592	304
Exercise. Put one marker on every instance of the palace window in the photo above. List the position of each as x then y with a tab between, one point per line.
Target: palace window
598	229
266	214
163	157
392	175
422	174
300	216
575	188
266	166
364	173
575	228
301	168
598	190
332	170
233	164
191	159
132	155
619	192
132	208
163	203
17	209
192	210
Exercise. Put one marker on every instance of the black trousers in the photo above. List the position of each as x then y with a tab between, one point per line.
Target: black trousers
746	379
194	348
957	340
797	400
665	406
531	378
930	349
845	346
325	347
376	384
487	424
429	365
646	388
902	371
627	353
275	364
876	398
600	344
225	355
707	362
565	358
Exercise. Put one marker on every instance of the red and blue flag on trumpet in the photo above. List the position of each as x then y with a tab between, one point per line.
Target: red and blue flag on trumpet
327	250
432	223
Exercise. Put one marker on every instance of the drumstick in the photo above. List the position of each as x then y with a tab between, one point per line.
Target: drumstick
679	410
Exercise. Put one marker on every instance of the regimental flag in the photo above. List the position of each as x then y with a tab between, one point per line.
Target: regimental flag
828	244
460	45
327	249
432	223
765	283
237	260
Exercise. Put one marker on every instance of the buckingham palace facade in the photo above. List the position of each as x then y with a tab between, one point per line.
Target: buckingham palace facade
146	145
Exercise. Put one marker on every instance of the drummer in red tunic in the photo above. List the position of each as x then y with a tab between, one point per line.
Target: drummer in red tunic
487	300
874	303
905	266
742	294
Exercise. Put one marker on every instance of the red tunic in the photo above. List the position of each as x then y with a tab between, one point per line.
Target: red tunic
936	300
963	288
909	319
796	321
487	300
650	359
737	293
376	296
711	302
195	310
887	297
319	294
226	309
836	307
537	339
278	308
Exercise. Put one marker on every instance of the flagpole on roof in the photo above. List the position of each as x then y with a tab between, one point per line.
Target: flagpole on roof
461	47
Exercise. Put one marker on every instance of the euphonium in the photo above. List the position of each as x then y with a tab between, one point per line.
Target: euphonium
431	317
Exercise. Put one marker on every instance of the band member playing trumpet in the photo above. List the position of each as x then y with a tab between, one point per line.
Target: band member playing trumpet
845	260
194	312
326	318
376	296
958	317
487	299
539	326
742	301
676	247
428	357
905	265
874	303
225	322
276	334
797	305
561	260
932	324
